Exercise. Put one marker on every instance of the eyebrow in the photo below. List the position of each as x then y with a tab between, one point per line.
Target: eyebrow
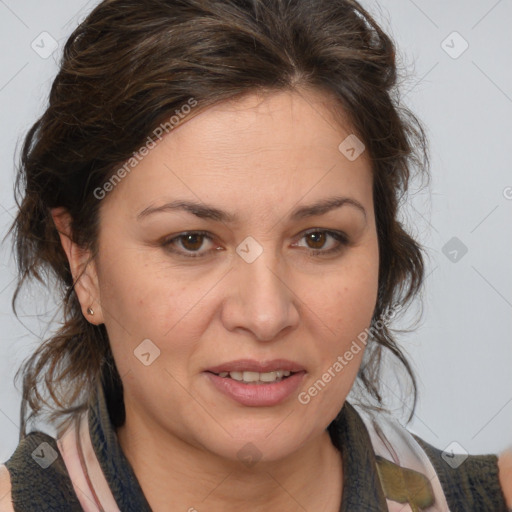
205	211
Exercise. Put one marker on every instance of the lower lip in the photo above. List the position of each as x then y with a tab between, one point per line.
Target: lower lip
257	395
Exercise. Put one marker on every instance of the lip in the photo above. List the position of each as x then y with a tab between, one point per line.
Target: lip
256	395
251	365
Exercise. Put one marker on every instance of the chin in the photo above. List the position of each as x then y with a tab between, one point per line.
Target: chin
249	442
250	452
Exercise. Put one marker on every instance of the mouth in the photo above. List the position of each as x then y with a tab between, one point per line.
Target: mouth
251	377
257	383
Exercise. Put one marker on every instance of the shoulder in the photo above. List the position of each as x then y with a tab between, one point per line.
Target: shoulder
467	480
35	477
505	474
5	490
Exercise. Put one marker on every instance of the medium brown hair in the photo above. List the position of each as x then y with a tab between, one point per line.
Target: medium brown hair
125	70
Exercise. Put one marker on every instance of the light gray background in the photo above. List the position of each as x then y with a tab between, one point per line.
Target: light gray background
462	349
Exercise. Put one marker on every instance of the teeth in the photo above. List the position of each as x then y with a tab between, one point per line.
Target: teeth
256	376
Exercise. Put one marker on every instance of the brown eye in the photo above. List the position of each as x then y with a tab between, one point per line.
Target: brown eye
190	244
317	239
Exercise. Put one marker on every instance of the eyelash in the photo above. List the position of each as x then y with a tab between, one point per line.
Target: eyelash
341	238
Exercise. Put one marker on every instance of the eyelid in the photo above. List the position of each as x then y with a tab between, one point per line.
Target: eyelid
168	242
341	238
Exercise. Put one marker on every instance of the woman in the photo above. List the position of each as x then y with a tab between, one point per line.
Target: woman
215	187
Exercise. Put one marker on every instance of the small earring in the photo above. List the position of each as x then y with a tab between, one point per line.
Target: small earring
90	311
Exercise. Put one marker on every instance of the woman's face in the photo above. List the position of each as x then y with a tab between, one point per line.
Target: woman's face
249	292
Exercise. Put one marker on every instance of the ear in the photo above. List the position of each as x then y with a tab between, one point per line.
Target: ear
87	285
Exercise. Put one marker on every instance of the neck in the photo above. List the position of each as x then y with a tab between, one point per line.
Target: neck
176	475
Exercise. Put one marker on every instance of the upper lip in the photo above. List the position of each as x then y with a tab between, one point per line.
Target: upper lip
251	365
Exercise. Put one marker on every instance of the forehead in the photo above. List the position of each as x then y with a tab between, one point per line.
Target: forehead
259	149
274	121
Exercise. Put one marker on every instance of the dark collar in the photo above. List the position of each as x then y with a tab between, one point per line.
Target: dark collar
361	487
362	491
119	474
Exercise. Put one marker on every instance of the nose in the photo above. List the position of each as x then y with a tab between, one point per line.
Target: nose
261	299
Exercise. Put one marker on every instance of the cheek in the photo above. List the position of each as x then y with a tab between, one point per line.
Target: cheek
136	294
340	353
347	298
138	304
342	311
